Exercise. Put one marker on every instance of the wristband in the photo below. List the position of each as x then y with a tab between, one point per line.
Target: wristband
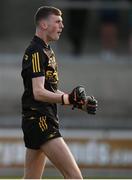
65	99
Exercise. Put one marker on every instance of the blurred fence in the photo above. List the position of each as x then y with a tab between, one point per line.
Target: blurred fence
109	82
92	5
18	25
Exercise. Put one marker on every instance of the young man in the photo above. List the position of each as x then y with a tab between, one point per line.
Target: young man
40	121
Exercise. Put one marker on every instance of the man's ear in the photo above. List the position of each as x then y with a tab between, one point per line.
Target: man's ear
43	24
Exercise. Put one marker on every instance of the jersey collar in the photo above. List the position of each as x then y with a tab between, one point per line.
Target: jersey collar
40	41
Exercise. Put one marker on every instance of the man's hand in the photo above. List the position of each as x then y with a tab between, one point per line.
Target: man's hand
76	97
90	105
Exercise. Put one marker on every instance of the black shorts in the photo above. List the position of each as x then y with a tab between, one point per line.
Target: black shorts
38	130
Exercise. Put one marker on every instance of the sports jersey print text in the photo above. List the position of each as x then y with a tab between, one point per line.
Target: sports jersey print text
51	71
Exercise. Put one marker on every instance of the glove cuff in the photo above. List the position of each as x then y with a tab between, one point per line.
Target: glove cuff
65	99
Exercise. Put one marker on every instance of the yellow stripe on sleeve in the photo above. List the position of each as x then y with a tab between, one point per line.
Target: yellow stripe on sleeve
33	65
35	60
38	62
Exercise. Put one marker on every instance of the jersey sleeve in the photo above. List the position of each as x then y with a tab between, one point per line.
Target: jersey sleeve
37	64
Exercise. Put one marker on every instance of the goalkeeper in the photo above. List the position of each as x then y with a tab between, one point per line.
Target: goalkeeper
40	122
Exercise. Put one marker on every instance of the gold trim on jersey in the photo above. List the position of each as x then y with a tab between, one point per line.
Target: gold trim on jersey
42	123
36	62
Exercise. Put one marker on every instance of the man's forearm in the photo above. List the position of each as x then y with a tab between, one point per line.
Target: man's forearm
48	96
59	92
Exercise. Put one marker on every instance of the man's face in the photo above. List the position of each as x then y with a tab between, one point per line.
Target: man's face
54	27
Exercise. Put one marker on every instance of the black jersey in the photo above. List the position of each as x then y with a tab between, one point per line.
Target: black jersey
39	60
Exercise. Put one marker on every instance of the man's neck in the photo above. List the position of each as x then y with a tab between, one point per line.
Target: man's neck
42	36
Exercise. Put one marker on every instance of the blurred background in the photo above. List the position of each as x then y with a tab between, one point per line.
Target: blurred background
95	50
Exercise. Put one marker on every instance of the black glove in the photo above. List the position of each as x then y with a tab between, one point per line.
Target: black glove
76	97
90	105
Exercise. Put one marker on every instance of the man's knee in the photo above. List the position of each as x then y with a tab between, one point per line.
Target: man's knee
73	174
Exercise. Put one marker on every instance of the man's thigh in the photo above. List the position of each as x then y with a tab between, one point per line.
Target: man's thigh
34	163
59	154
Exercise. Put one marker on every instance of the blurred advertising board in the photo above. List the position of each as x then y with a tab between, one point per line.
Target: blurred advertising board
102	153
99	151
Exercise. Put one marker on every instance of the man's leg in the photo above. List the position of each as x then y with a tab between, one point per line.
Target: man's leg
59	154
34	164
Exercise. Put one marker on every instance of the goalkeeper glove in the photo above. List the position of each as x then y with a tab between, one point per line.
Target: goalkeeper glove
90	105
76	97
